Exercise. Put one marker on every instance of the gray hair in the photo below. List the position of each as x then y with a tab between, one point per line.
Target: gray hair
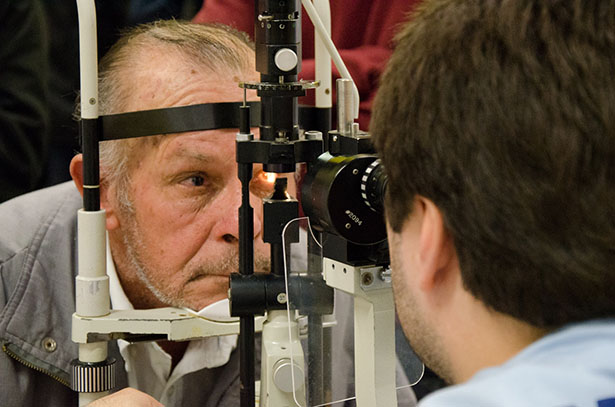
215	47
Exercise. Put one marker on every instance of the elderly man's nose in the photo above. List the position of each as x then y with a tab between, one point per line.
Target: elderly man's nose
227	220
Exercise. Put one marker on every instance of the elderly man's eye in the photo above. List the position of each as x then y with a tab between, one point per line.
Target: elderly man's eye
197	181
194	181
262	183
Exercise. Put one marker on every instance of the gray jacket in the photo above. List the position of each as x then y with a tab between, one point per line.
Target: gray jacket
38	263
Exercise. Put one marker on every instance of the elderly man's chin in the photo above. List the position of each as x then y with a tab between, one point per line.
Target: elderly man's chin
206	286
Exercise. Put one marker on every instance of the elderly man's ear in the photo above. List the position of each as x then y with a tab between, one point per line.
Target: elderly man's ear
107	200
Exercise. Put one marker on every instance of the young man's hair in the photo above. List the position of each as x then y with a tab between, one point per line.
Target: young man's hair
503	114
211	48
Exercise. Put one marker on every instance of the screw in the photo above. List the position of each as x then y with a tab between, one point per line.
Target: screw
367	279
92	101
348	226
281	298
385	275
355	171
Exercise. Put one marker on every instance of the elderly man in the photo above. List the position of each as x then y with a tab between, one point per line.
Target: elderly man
172	219
496	124
171	204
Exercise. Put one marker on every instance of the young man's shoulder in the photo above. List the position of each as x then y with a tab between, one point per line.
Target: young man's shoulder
574	367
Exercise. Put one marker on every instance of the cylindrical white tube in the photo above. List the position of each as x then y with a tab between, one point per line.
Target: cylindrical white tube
344	106
324	94
92	243
92	286
88	58
337	59
92	352
92	282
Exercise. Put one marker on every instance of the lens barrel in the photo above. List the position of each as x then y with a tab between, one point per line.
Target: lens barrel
343	195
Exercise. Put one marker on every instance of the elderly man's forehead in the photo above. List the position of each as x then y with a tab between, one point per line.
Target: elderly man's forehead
177	85
158	79
205	146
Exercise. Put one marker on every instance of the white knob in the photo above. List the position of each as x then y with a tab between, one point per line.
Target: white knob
282	376
286	59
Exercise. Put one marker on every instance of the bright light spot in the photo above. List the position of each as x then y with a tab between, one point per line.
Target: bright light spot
270	177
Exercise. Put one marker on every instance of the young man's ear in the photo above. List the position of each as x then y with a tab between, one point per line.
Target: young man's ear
436	255
106	197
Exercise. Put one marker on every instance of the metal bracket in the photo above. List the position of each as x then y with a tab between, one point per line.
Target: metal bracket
174	324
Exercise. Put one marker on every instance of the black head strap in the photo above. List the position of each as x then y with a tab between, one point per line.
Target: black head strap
207	116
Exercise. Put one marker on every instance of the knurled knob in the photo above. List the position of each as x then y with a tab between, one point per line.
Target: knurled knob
93	377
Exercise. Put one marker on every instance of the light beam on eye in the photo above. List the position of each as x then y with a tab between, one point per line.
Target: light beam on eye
270	177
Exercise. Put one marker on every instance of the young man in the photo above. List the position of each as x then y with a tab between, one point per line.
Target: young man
495	121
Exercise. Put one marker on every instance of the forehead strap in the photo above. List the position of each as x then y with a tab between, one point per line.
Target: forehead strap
206	116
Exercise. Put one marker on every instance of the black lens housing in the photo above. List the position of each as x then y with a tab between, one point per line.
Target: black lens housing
335	197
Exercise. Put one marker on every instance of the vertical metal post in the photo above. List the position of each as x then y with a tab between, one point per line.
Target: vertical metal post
315	360
246	267
319	366
345	107
93	374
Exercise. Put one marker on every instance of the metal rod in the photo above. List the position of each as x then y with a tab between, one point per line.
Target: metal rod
322	58
333	52
247	392
345	107
91	282
327	378
318	371
277	259
246	267
246	222
315	360
91	176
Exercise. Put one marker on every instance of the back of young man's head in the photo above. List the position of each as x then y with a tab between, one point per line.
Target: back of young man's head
503	114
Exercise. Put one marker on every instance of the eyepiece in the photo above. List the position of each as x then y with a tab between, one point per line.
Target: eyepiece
373	186
343	195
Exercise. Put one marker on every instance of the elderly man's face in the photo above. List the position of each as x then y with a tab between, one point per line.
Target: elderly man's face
179	242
